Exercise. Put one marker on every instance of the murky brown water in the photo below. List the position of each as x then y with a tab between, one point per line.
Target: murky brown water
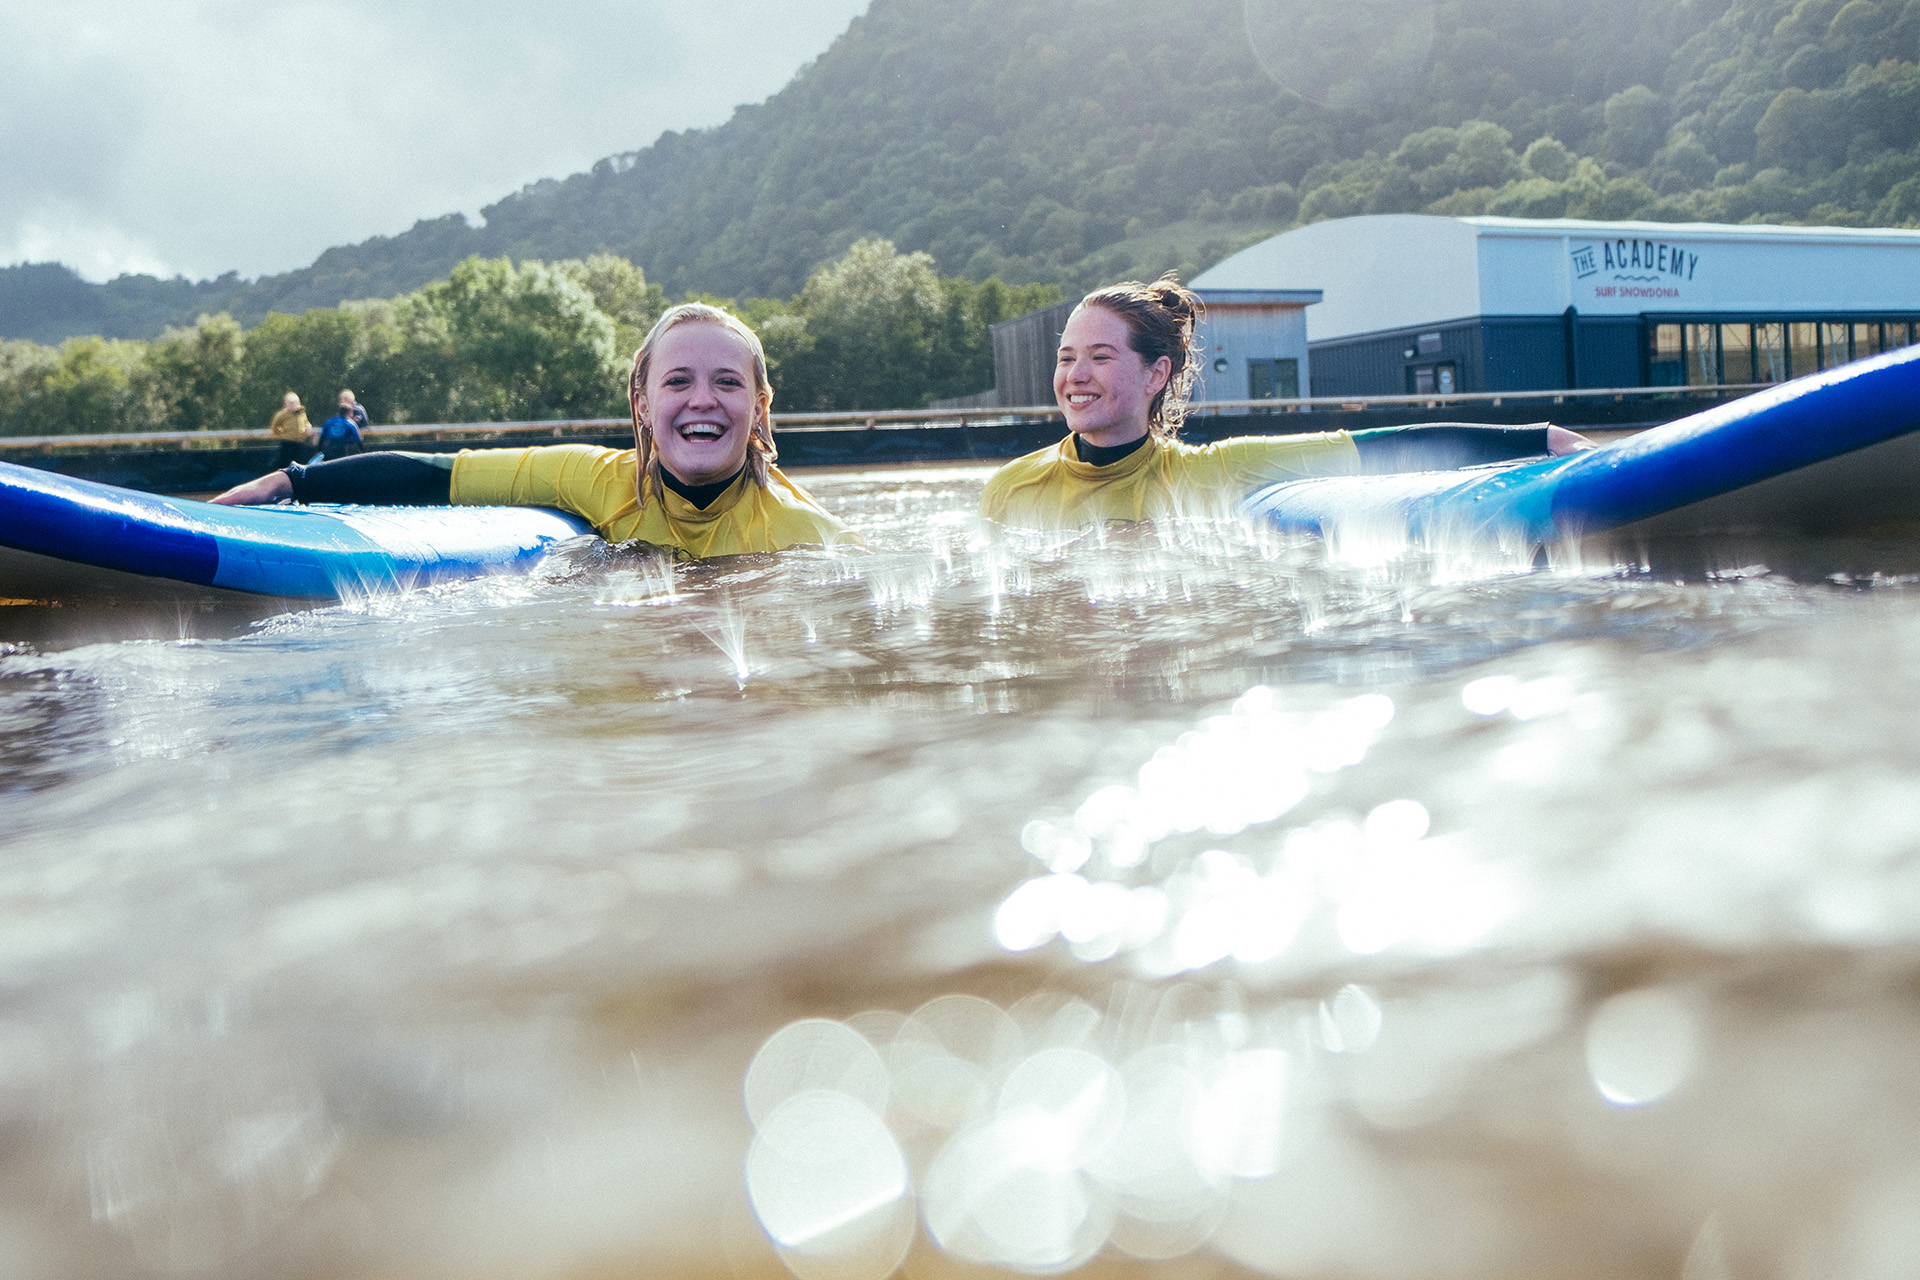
1174	901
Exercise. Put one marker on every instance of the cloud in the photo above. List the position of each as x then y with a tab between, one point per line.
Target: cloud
214	135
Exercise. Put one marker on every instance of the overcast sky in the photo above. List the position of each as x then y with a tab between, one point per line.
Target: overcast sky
203	136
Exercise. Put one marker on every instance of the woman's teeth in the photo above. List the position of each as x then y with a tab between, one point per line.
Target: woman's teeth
702	431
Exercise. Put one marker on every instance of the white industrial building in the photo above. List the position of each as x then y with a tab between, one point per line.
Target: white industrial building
1415	303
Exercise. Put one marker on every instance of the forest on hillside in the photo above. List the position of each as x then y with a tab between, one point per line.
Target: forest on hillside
1087	140
496	341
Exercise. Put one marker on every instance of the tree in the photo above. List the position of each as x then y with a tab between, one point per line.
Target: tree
872	314
621	291
85	386
1636	123
1547	157
191	377
311	355
1800	127
404	364
528	341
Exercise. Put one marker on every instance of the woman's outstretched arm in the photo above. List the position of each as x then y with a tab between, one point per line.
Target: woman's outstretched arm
389	478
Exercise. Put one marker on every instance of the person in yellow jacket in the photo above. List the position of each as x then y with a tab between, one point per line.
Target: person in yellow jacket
291	429
1125	367
700	477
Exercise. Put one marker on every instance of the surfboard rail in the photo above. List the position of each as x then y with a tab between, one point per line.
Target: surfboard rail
1820	453
310	553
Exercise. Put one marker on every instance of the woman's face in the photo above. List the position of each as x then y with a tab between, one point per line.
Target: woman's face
1101	383
701	402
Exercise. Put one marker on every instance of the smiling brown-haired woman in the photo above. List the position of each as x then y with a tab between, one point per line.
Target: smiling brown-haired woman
1126	365
700	477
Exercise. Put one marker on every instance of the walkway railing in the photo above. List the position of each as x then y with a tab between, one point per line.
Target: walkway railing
858	420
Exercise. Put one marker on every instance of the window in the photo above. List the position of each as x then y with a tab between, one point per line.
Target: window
1770	353
1703	355
1700	354
1667	363
1803	348
1273	379
1833	345
1433	380
1736	353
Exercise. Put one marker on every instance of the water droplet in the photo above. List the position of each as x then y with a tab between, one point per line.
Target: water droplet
1641	1046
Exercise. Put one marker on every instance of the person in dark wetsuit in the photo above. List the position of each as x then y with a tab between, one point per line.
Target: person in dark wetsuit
353	409
1126	365
340	437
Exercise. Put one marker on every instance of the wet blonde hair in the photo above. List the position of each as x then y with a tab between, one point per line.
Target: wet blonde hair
761	452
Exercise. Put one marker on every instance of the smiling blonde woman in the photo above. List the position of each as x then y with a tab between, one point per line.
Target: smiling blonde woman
700	478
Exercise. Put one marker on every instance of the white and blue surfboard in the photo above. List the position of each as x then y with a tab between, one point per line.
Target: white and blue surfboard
64	539
1836	452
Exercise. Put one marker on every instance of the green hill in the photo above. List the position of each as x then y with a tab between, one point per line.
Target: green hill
1084	140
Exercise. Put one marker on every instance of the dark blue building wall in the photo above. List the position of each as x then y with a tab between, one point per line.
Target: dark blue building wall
1490	353
1376	364
1523	353
1609	352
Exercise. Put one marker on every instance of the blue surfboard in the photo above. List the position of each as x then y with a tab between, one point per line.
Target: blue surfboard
1834	452
62	539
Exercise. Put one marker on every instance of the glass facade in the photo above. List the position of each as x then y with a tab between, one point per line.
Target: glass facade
1770	353
1698	353
1835	348
1703	355
1803	346
1667	361
1736	353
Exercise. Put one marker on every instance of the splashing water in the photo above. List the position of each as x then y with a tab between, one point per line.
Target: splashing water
977	901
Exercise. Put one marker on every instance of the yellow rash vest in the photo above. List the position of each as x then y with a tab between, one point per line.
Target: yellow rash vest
1052	488
290	425
598	485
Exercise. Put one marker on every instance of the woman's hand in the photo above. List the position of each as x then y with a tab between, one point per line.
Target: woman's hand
268	489
1561	442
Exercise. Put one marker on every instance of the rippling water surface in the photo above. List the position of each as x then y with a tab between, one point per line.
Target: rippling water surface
1174	900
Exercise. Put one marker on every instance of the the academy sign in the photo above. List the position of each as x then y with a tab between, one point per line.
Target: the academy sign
1637	269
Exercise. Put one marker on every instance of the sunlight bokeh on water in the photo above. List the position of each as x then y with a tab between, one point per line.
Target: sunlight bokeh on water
1178	897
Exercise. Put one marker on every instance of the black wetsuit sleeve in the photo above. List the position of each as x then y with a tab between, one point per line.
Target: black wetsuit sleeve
1442	446
386	479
